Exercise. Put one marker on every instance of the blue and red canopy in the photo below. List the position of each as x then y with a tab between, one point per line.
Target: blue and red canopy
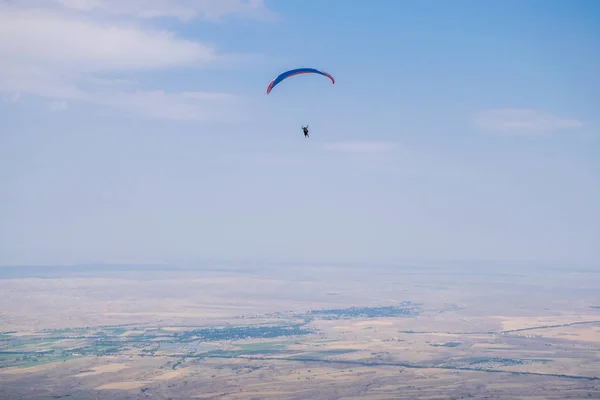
294	72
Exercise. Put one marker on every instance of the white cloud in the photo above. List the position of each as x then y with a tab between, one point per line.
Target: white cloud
50	49
58	105
49	39
181	9
360	147
31	79
523	121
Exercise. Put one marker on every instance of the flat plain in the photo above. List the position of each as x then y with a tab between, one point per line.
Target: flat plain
299	332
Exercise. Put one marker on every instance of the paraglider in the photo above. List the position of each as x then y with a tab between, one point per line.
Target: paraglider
294	72
305	130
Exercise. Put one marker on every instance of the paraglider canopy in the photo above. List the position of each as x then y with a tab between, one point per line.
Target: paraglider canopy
294	72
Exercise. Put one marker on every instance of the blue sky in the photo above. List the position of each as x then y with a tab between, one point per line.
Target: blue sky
139	131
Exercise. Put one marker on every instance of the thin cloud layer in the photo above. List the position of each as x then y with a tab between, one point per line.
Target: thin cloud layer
360	147
62	50
523	121
184	10
192	106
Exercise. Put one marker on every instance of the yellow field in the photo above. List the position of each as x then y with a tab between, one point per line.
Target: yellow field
165	376
513	323
122	385
29	370
103	369
583	333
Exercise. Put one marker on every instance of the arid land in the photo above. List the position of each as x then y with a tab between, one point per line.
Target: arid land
298	332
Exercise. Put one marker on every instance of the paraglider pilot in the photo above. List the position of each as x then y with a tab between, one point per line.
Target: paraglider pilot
305	130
